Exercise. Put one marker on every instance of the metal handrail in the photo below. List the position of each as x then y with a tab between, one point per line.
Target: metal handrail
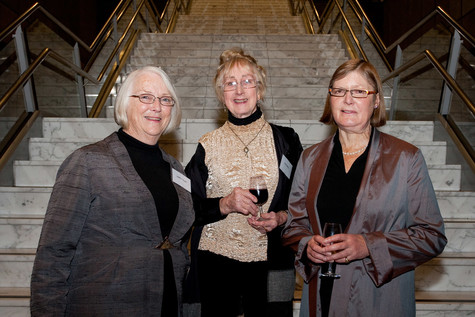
373	35
440	69
111	79
26	75
461	141
445	16
14	136
103	35
350	28
37	7
371	32
448	123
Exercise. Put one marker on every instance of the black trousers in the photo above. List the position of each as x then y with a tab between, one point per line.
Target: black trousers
229	288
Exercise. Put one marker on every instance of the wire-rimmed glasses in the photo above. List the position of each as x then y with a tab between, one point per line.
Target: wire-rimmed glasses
355	93
246	83
166	101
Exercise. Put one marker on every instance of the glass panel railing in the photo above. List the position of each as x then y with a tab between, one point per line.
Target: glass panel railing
436	39
418	96
8	67
465	75
464	120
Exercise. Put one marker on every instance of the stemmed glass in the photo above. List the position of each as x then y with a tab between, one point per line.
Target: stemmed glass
258	188
330	229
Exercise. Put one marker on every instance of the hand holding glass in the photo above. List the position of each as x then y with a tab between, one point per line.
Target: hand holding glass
331	229
258	188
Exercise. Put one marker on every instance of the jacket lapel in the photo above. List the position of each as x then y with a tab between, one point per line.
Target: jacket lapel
185	216
317	172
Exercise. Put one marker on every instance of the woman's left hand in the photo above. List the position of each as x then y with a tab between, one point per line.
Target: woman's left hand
268	221
345	248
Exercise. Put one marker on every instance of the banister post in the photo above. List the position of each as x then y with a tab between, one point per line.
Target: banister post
22	55
80	83
397	64
454	54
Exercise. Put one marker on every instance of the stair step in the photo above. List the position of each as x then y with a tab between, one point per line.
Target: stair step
193	129
28	201
236	38
447	273
41	149
456	205
16	267
445	296
43	173
14	292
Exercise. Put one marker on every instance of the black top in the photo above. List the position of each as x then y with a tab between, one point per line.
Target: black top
155	173
337	196
336	201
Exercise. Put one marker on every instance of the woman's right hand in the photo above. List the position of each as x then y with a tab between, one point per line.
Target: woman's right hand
240	200
315	251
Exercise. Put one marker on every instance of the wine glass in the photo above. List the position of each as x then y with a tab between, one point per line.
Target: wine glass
258	188
330	229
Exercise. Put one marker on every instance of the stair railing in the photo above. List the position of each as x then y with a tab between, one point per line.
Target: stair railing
117	59
460	140
335	18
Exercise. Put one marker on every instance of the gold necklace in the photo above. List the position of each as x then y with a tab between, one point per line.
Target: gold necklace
246	149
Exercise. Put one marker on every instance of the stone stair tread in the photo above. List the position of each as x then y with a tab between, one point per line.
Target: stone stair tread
180	140
433	296
456	255
14	292
450	296
18	251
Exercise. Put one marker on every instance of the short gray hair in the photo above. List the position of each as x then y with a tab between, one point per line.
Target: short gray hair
122	101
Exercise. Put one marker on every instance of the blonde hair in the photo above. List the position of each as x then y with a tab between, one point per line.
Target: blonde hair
123	101
236	57
367	70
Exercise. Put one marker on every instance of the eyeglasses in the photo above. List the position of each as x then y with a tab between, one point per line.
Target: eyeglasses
149	99
355	93
246	83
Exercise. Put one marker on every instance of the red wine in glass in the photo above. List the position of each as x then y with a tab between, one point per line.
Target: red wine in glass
261	194
258	188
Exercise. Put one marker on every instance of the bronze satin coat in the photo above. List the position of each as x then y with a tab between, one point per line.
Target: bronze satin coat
396	210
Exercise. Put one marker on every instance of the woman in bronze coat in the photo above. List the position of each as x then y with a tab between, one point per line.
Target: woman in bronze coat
378	188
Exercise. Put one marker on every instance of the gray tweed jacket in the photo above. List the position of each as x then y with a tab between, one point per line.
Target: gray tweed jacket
98	254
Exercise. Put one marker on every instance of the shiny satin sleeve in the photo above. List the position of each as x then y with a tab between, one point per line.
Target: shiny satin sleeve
422	237
298	230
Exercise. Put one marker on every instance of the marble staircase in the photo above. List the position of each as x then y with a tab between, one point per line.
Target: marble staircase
240	17
443	284
299	67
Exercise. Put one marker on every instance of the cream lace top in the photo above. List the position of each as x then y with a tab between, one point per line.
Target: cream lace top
228	167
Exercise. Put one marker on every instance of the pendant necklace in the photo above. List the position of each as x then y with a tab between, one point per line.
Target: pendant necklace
246	149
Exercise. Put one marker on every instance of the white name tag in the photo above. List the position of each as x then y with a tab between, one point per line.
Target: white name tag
181	180
286	166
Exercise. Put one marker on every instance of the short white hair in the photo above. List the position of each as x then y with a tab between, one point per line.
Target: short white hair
123	101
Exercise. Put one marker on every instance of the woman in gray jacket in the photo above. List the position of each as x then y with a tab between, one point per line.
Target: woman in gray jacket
114	237
378	188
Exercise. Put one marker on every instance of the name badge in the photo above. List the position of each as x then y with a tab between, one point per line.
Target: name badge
181	180
286	166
